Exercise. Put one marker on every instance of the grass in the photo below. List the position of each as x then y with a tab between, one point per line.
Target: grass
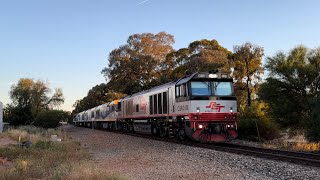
293	145
299	146
46	159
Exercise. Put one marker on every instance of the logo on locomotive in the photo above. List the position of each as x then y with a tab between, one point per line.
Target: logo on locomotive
215	106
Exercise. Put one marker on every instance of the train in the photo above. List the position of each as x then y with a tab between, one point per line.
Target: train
201	106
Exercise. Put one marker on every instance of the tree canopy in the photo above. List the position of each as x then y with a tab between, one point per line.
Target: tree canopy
96	96
202	55
292	85
135	66
30	97
247	63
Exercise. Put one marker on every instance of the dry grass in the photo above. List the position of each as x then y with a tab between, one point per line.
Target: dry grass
47	160
300	146
16	133
293	144
86	171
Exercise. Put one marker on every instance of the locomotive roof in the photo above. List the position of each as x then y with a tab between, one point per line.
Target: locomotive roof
205	75
185	79
198	75
152	89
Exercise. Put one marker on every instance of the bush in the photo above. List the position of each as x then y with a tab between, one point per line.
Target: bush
50	119
17	115
256	116
313	127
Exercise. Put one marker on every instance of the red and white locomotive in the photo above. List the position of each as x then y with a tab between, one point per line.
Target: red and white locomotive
201	106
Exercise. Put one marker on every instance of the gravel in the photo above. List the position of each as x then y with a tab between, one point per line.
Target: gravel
140	158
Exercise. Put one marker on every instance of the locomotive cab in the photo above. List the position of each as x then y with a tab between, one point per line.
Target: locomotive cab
210	104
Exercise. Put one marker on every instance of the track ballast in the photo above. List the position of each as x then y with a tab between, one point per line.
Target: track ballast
301	158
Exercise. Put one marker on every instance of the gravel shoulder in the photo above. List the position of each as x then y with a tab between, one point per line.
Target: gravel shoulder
139	158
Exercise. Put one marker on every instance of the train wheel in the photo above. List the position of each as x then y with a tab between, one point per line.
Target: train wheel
181	134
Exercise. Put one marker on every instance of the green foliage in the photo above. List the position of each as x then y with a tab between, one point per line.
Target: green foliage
241	94
313	127
247	63
96	96
30	97
43	145
256	116
17	115
50	119
136	65
200	56
293	83
35	94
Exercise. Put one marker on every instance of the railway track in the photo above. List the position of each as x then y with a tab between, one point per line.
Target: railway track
301	158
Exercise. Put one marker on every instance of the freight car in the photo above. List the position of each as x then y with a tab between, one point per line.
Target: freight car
201	106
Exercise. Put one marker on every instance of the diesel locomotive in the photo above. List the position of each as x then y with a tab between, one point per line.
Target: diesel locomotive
201	106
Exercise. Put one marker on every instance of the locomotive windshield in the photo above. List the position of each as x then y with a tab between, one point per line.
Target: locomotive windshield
222	88
201	88
210	88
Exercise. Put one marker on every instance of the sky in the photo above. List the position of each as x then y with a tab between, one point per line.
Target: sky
67	42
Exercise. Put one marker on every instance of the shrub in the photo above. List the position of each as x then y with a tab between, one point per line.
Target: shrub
312	129
17	115
253	117
50	119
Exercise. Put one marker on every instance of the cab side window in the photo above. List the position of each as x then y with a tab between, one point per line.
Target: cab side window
182	90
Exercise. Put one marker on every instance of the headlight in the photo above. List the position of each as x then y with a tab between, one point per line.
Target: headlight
230	126
200	126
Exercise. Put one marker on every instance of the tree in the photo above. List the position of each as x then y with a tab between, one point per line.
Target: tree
99	94
247	62
203	55
292	86
30	97
135	66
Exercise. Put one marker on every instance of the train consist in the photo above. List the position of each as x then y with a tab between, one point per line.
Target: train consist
201	106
